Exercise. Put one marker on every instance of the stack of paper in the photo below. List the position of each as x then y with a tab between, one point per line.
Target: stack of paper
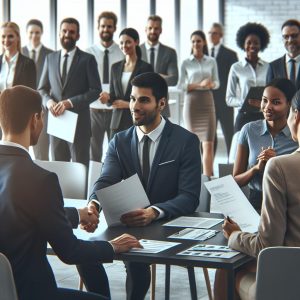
194	234
195	222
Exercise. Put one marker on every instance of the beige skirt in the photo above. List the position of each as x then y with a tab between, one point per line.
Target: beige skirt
199	114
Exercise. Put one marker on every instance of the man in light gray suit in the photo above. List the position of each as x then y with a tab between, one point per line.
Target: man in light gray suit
162	58
38	52
70	81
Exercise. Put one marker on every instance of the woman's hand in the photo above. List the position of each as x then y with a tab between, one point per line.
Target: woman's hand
206	83
121	104
229	226
264	156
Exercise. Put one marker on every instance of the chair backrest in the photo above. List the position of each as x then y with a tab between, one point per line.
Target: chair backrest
233	147
7	283
225	169
278	273
72	177
204	200
94	173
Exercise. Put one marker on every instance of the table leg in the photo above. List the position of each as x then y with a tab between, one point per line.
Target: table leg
230	284
167	282
192	281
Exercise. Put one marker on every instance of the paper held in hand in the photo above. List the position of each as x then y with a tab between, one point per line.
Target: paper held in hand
63	126
121	198
232	202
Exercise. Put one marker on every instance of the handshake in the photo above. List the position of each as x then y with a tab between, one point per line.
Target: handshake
89	220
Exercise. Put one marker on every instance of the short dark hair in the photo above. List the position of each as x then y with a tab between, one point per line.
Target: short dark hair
135	36
285	86
17	105
203	37
256	29
108	15
155	18
291	22
71	21
35	22
153	81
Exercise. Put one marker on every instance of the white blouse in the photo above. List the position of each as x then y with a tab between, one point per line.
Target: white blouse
125	80
7	72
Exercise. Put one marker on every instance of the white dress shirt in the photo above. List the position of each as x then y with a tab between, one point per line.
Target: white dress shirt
242	76
69	61
148	51
37	51
217	48
7	73
12	144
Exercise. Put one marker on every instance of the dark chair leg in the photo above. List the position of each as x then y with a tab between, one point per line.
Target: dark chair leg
192	281
167	282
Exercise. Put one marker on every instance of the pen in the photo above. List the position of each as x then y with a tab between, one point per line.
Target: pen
228	219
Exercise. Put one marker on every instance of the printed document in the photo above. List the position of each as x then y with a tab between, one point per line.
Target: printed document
121	198
194	234
63	126
195	222
232	202
153	246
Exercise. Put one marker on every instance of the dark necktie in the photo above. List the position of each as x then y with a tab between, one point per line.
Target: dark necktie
64	70
293	70
33	55
152	57
105	67
213	52
146	163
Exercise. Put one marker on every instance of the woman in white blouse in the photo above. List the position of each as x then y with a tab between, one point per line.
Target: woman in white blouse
249	72
199	75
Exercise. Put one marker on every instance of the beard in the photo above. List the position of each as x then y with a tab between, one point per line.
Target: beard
153	38
67	44
106	37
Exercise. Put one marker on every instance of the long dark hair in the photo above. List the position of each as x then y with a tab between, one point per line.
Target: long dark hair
203	37
135	36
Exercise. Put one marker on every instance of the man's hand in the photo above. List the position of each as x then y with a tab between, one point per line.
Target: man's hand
50	105
61	106
104	97
120	104
139	217
124	243
89	219
229	226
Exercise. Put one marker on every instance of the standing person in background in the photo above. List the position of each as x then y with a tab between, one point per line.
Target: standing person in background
288	65
38	52
70	81
249	72
15	68
121	75
162	58
106	53
199	75
225	57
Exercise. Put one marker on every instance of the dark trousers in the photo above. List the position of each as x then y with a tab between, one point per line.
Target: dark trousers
255	198
100	123
94	278
243	118
67	294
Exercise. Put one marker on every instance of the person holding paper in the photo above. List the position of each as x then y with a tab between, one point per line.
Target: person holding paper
167	160
279	223
70	81
249	72
32	208
262	139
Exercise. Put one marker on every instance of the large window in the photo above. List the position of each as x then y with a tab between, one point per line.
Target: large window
22	12
78	10
106	5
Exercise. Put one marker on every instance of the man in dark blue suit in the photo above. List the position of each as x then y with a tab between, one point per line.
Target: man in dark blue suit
165	156
32	209
288	65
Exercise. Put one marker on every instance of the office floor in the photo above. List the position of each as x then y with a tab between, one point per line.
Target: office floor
67	276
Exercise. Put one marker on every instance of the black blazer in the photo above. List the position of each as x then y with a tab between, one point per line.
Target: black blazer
32	214
25	73
40	62
116	90
277	69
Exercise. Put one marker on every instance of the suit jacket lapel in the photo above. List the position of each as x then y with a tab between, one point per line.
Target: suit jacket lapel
220	54
56	62
133	74
134	153
41	56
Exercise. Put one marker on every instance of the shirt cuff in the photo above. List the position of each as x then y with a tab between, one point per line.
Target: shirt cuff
161	213
112	247
70	103
78	216
98	206
233	238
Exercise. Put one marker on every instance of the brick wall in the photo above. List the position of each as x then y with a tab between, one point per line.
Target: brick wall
270	13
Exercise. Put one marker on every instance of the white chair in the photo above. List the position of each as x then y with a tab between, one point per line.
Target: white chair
233	147
7	283
72	177
278	273
94	173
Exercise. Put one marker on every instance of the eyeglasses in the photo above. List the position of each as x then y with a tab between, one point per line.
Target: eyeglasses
213	33
292	36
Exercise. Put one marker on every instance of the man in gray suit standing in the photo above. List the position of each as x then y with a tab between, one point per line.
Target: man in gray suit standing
38	52
225	58
162	58
70	81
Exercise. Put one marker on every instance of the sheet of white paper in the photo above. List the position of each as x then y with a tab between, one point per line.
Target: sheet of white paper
153	246
122	197
195	222
97	104
209	254
63	126
233	203
214	248
194	234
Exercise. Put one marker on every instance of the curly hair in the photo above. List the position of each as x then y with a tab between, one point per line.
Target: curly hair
256	29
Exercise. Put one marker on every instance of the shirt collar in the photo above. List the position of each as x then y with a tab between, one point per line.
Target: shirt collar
216	47
245	62
148	47
13	59
110	48
154	134
12	144
37	49
192	57
287	58
71	53
264	129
